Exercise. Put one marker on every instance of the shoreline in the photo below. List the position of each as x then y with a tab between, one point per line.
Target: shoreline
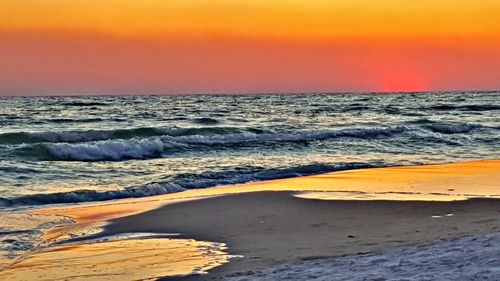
433	182
288	220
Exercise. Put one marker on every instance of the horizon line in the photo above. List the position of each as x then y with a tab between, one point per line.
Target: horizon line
252	94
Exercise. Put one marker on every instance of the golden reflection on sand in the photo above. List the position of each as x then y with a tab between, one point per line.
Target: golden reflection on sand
447	182
130	259
336	195
90	219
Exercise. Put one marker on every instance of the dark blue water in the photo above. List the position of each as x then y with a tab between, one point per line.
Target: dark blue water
74	149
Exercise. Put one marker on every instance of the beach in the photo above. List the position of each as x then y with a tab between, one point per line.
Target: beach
272	228
243	230
249	140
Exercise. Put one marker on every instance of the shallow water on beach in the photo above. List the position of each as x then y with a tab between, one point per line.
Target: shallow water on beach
75	149
119	259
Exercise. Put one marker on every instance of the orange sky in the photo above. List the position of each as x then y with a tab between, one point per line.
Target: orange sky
223	46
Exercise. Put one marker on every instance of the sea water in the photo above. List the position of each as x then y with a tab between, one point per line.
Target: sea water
81	149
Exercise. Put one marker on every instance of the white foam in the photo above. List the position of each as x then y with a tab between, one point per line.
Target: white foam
158	146
109	150
21	232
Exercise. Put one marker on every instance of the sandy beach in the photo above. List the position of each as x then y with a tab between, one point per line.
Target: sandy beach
271	228
249	140
246	229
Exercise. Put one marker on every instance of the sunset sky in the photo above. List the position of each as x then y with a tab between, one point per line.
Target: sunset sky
247	46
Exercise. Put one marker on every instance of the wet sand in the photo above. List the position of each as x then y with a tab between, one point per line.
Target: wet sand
289	220
127	259
271	228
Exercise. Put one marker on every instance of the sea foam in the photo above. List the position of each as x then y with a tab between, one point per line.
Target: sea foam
115	150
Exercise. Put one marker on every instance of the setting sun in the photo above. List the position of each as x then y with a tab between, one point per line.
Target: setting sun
404	83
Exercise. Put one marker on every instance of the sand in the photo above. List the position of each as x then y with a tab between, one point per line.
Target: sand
271	228
315	217
127	259
473	258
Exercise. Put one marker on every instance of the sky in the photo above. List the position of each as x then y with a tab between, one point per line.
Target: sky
64	47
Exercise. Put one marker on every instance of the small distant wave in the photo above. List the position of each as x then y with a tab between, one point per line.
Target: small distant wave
70	120
96	135
206	121
72	136
452	128
472	107
116	150
84	103
183	182
355	107
449	127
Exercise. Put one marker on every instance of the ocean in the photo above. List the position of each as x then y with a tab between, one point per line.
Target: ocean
57	150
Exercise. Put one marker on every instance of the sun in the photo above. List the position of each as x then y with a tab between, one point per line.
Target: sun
403	83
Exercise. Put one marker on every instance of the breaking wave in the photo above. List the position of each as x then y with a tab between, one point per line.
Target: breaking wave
181	182
155	147
96	135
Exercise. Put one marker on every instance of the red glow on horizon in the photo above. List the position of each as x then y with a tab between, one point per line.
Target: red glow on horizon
404	83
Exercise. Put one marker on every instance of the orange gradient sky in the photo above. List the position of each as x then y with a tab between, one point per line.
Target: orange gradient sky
223	46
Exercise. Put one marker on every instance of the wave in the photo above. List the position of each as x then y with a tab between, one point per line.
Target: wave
205	121
84	103
69	120
96	135
116	150
72	136
87	196
183	182
471	107
450	128
447	127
